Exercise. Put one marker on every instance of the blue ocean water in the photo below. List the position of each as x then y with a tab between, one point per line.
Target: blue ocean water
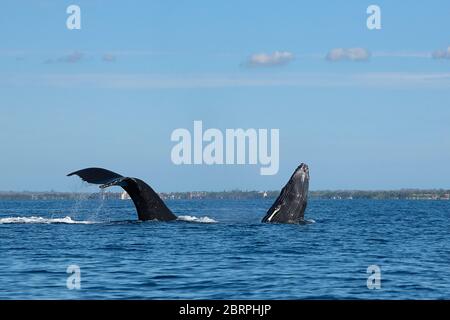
221	251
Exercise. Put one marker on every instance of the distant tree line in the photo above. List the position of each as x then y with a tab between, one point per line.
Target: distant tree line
403	194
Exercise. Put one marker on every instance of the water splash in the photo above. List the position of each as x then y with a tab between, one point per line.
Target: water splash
98	210
41	220
196	219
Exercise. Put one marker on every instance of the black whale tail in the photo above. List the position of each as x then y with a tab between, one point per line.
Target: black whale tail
96	175
148	204
291	204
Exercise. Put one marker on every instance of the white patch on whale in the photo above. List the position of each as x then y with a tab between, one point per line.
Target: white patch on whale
274	213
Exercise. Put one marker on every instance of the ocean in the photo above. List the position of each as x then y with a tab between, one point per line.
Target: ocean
218	249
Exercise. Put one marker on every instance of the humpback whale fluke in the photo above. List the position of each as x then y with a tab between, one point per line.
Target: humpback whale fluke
148	204
291	203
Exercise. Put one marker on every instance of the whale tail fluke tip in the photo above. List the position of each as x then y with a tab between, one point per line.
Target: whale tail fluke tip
96	175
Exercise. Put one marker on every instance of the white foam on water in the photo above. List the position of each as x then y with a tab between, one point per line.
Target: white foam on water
41	220
196	219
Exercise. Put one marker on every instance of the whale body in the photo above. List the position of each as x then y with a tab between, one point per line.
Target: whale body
291	204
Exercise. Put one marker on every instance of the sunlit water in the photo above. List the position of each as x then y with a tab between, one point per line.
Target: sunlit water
220	250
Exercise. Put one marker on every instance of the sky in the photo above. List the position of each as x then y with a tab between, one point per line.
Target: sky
366	109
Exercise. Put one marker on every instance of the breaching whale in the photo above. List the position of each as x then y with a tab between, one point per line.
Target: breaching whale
148	204
291	204
288	208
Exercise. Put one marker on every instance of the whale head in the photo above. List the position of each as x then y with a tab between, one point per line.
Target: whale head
291	204
301	174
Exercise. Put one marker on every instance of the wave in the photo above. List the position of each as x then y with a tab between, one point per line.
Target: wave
196	219
69	220
41	220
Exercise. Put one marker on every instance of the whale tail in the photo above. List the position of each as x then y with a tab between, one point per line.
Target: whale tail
148	203
290	205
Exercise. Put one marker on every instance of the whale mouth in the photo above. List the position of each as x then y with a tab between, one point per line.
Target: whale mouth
303	168
302	173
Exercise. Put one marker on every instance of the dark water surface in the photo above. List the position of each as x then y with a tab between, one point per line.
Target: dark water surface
222	251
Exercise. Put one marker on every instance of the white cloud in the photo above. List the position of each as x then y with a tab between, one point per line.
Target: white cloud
441	54
276	58
349	54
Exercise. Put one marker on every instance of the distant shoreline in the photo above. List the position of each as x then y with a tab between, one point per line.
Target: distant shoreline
404	194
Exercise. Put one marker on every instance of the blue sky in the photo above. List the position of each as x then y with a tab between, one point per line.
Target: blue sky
111	93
